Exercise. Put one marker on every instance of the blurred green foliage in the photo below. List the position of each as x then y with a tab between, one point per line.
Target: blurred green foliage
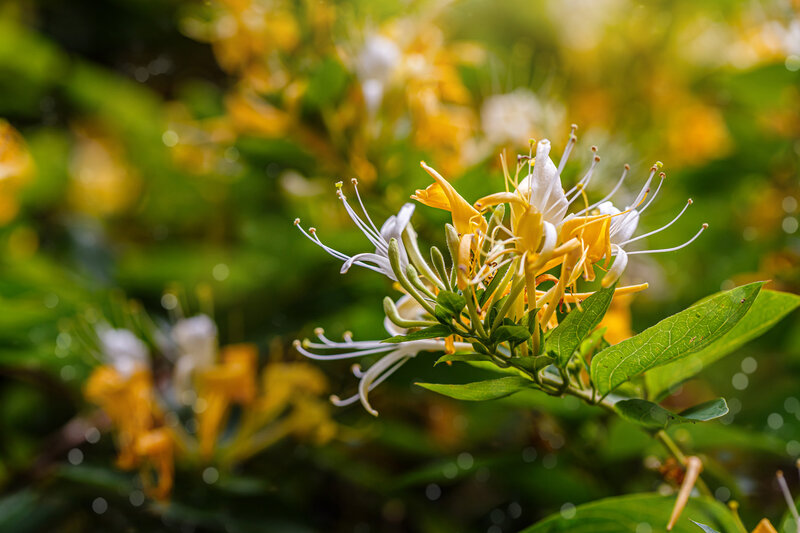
713	90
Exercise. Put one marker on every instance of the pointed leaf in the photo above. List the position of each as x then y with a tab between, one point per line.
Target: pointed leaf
490	389
767	310
681	334
653	416
566	338
705	528
627	513
430	332
463	357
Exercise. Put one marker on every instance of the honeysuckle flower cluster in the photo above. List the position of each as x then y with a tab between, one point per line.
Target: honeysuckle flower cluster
397	80
516	257
182	412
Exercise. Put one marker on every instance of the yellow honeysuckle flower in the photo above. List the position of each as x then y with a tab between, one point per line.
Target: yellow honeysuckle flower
442	195
156	452
219	386
103	182
16	167
129	404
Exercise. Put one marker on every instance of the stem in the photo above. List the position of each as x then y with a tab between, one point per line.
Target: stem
473	314
676	452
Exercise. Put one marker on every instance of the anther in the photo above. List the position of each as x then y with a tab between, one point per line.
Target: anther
319	331
296	221
312	231
354	181
627	166
339	184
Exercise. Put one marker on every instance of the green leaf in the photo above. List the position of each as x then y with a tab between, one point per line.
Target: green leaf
681	334
766	311
463	357
451	302
491	389
566	338
513	334
430	332
494	284
535	364
626	513
653	416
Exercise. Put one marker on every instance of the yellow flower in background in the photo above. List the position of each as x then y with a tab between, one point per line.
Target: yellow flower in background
16	168
232	381
102	180
617	319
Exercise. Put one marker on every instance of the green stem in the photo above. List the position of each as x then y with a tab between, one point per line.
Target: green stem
676	452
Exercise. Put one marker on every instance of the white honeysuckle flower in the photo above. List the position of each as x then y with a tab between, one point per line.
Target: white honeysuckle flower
510	118
394	355
375	65
123	350
545	192
378	260
196	340
542	185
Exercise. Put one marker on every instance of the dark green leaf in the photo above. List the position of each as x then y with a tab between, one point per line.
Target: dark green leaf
513	334
490	389
566	338
684	333
653	416
626	513
767	310
535	364
431	332
451	302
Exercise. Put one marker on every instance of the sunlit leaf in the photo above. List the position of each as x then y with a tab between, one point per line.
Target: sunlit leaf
566	338
490	389
627	513
681	334
768	308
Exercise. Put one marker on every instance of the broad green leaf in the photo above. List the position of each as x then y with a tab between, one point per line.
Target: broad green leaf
490	389
431	332
628	513
653	416
767	310
451	302
681	334
462	357
513	334
566	338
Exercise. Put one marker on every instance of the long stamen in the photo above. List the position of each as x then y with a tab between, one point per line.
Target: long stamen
660	183
787	495
613	191
684	245
662	228
335	357
374	237
354	181
584	181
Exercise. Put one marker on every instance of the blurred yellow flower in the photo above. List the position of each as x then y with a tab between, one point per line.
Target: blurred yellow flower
103	182
16	168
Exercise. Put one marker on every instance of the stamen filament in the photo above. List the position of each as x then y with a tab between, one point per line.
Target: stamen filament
684	245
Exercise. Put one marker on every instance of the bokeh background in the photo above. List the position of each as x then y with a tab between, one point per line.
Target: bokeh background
169	145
